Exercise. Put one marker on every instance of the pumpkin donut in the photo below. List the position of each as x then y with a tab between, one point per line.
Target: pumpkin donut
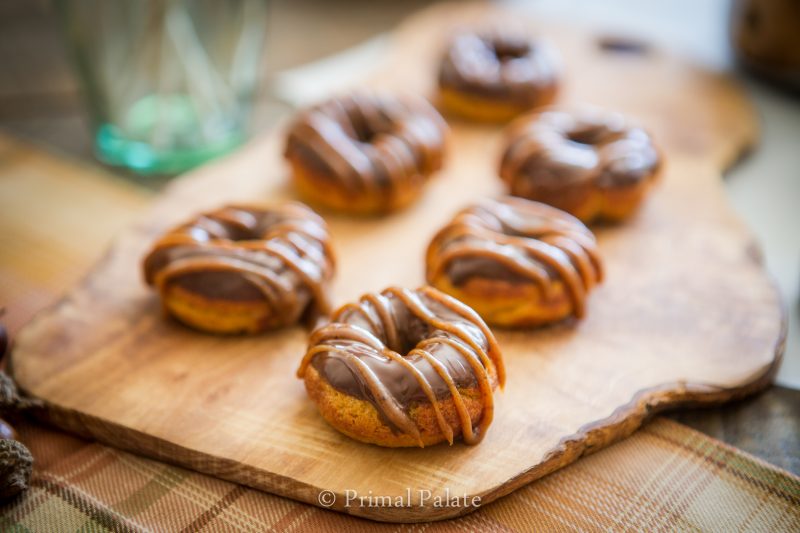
516	262
404	368
244	269
496	77
365	153
591	163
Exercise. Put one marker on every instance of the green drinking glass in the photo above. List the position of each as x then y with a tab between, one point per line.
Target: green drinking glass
169	84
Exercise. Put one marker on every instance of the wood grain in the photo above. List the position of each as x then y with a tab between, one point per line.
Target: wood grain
687	314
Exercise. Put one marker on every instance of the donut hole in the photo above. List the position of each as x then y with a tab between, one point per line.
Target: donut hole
369	132
415	332
266	227
227	228
238	233
410	330
509	50
366	134
588	136
368	127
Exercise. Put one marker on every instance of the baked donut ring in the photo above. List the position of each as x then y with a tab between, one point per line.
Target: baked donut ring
244	269
516	262
591	163
404	368
495	77
366	153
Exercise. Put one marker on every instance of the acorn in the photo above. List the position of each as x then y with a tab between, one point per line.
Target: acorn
16	464
16	461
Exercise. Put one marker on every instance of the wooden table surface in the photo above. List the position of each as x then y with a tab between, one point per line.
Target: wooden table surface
39	101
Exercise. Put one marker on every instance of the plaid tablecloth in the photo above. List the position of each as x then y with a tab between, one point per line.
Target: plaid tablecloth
665	477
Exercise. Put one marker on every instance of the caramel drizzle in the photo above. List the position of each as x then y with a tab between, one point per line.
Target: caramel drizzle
611	153
551	245
342	340
296	241
405	145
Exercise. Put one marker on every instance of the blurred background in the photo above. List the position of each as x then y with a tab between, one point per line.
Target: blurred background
268	57
40	92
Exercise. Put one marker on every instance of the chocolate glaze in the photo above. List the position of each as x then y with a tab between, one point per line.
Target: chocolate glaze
557	155
460	272
500	66
225	285
404	347
519	241
370	142
280	254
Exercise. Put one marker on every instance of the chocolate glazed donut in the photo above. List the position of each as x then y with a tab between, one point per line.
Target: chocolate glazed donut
366	153
495	77
516	262
405	368
244	269
588	162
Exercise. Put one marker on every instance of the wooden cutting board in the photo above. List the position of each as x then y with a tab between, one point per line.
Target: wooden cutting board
687	315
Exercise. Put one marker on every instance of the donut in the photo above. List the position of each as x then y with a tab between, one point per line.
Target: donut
404	368
591	163
516	262
366	153
244	269
766	40
496	77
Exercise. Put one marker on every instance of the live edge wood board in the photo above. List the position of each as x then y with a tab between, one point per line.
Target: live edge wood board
686	316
